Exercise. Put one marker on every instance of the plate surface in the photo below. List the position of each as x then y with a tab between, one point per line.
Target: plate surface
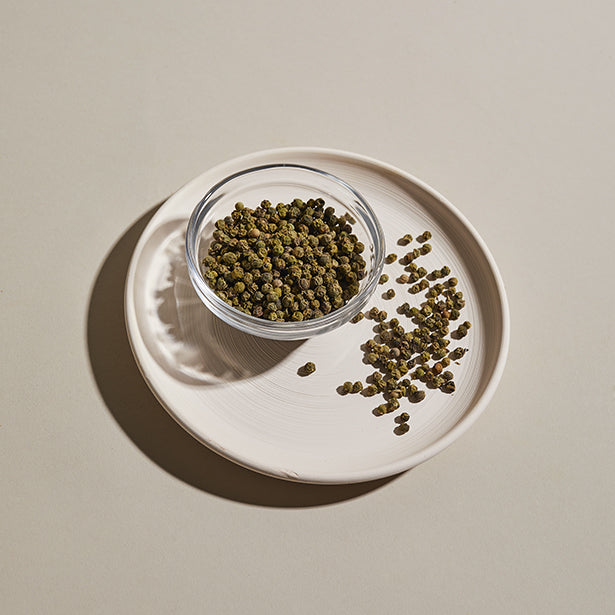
242	396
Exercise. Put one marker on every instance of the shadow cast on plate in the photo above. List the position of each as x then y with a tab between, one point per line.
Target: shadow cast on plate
152	429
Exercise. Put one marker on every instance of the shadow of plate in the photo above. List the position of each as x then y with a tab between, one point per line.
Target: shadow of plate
151	428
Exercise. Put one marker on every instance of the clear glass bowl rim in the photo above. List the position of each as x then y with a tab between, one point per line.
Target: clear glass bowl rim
274	329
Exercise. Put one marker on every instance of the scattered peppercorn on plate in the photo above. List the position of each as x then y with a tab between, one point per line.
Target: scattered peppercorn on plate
392	379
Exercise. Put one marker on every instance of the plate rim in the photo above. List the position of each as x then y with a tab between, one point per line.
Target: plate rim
381	471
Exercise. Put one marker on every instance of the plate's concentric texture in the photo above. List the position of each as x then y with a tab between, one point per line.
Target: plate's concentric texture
241	395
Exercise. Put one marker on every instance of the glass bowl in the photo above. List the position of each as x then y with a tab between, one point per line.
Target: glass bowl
283	183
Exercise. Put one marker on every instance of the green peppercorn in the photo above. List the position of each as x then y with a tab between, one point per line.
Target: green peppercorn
382	316
404	417
405	240
403	279
392	405
402	428
448	387
390	258
447	375
309	368
357	387
381	409
347	387
414	289
384	278
462	331
458	353
425	248
370	390
357	317
418	396
390	293
452	282
426	236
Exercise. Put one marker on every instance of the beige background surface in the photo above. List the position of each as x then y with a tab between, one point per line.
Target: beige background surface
106	506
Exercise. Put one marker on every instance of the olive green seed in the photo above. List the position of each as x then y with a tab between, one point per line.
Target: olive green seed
448	387
418	396
424	237
390	258
347	387
357	317
405	240
447	375
404	417
425	248
384	278
357	387
402	428
403	279
390	293
309	368
458	353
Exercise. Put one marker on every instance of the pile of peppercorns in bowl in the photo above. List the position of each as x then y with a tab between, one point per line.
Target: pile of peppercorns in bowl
284	251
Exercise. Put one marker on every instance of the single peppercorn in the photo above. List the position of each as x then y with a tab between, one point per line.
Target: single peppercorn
448	387
405	240
370	390
402	428
458	353
347	387
390	258
462	331
357	317
384	278
309	368
403	279
357	387
425	248
424	237
404	417
418	396
390	293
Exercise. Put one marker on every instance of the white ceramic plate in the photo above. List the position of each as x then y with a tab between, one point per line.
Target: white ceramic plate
241	395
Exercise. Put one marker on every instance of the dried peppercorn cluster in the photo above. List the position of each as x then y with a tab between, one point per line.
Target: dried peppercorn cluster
289	262
409	359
